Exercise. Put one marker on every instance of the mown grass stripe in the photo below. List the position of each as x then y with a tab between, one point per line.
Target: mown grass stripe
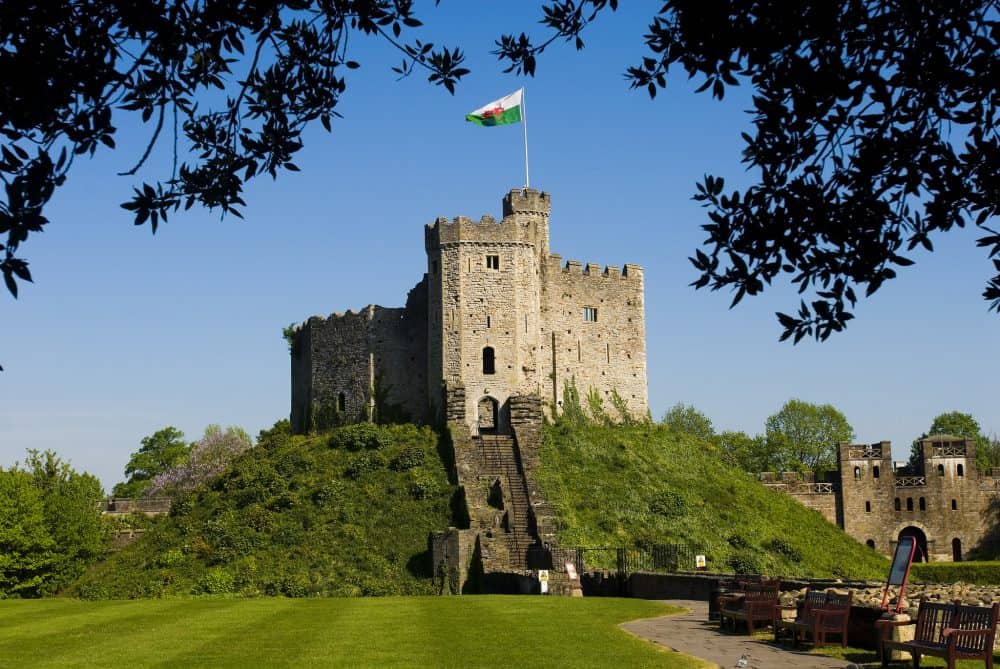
44	643
465	632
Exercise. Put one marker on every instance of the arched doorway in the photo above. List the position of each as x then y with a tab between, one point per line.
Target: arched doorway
488	415
921	540
956	549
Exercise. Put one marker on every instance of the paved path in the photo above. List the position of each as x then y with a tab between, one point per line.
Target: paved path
690	633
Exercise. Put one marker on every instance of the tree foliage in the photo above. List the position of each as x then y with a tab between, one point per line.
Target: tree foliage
803	436
160	452
750	454
875	129
875	123
50	526
231	85
958	424
688	420
208	458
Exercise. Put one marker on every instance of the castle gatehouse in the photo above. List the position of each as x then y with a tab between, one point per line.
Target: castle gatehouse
942	500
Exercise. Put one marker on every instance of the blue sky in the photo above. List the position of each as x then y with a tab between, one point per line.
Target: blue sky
124	332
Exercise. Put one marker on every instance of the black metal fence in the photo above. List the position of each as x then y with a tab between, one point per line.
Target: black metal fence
625	561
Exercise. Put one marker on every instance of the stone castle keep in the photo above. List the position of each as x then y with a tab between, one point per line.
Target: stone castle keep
496	315
945	502
490	338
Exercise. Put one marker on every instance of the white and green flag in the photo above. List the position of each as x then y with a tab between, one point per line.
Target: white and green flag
504	111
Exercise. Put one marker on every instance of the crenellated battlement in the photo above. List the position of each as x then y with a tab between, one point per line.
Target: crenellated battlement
495	313
554	264
527	201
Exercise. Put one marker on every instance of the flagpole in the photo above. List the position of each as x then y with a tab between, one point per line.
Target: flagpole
524	128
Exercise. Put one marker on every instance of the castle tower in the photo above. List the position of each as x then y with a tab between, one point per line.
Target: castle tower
867	488
484	292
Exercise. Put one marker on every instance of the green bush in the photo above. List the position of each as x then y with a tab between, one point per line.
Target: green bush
410	457
669	504
782	547
979	573
743	564
363	464
216	581
360	437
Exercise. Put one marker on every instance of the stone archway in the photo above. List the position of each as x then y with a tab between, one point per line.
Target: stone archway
488	415
921	540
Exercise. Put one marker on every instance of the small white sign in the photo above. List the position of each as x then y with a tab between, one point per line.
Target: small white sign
545	587
543	575
571	571
699	562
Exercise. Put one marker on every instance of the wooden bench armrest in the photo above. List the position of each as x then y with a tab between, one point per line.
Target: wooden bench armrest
949	631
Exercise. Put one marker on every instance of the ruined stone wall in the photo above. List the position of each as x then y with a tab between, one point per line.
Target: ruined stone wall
342	359
607	354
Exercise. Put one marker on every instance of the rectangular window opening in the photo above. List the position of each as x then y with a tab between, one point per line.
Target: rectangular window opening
590	314
492	262
489	322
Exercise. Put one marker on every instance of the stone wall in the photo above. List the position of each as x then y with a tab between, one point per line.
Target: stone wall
607	354
350	362
945	500
497	314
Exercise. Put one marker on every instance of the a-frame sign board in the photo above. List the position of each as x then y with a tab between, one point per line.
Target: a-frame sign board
899	572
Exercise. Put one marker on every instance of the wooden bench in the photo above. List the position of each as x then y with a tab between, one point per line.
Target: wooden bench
951	631
754	605
822	613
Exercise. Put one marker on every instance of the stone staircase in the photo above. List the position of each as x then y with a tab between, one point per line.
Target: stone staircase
499	461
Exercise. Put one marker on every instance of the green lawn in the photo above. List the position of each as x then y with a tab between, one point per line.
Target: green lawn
466	631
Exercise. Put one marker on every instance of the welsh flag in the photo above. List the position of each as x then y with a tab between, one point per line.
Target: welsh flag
504	111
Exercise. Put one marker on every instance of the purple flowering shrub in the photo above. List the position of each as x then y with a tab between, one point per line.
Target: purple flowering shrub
209	458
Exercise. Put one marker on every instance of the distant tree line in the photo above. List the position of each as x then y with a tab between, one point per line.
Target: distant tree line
803	437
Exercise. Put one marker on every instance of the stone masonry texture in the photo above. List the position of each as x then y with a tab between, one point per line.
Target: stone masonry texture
497	315
944	501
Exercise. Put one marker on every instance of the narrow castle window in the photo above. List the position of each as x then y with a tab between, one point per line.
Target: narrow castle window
868	506
961	470
875	472
492	262
609	352
954	505
341	402
489	361
909	504
897	504
940	470
857	472
590	314
923	504
489	322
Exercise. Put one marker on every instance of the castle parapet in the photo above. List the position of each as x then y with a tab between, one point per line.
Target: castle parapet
632	273
526	201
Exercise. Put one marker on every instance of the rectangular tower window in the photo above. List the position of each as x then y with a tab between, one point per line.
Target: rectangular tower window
492	262
590	314
489	322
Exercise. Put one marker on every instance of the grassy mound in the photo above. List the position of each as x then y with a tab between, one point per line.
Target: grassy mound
346	512
634	485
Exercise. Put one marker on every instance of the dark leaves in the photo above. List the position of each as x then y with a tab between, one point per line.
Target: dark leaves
852	149
277	66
